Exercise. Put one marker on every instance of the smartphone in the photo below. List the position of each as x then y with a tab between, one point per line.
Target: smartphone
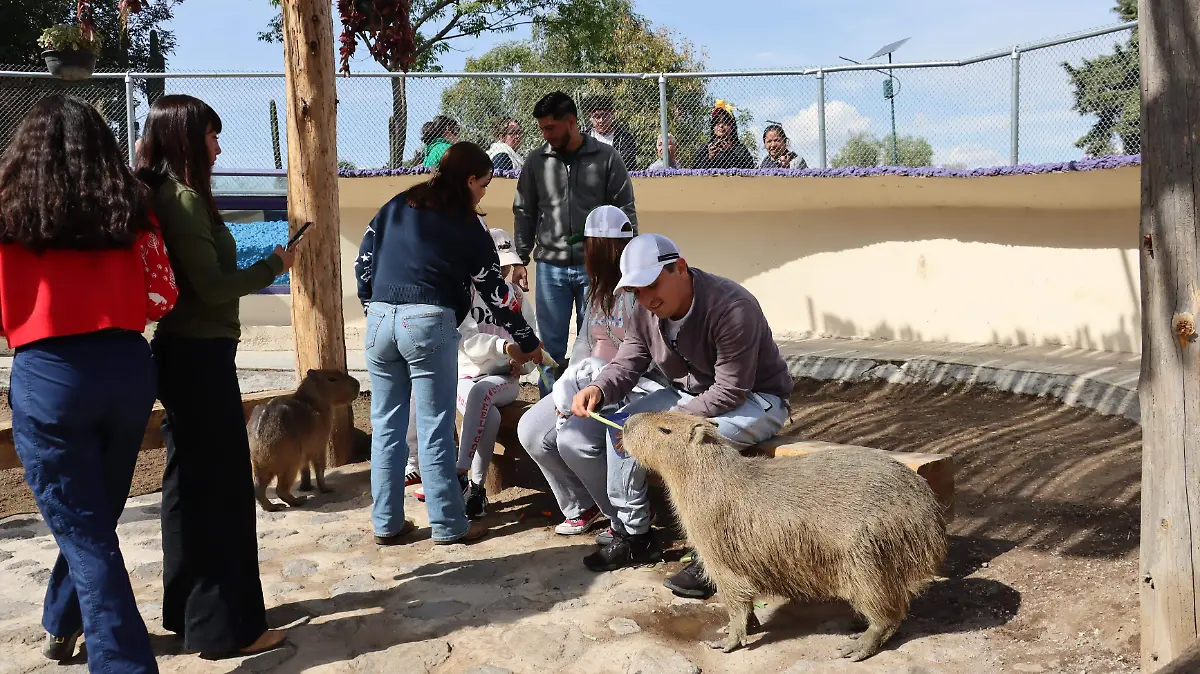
297	236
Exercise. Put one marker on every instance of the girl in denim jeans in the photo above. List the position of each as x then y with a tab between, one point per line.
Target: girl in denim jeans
419	259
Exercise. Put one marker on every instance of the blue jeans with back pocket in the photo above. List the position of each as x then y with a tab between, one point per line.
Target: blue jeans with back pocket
412	352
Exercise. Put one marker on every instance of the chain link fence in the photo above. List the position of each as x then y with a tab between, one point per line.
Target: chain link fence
1063	99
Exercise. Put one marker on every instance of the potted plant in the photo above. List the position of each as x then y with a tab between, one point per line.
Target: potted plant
68	53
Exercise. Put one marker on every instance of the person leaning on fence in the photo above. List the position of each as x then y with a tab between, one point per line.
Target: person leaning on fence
604	127
438	135
724	150
709	336
82	271
778	153
503	151
561	183
419	258
674	150
212	594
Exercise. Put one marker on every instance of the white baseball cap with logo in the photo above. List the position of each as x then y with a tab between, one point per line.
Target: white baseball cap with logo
504	247
643	260
608	222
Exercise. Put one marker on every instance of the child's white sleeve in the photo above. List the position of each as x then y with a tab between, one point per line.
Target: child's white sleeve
479	347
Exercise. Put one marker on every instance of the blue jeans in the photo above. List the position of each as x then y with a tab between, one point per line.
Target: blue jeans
756	420
558	286
80	405
412	352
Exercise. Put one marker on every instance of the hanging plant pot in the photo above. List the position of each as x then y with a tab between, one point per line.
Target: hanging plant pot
70	64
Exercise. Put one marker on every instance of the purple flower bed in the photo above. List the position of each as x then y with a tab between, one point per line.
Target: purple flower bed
1114	161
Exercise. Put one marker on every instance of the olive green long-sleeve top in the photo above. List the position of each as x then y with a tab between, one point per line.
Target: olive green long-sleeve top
204	258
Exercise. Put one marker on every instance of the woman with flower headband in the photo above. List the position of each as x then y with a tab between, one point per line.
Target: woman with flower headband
724	150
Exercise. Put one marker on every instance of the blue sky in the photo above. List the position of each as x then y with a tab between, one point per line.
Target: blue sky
964	112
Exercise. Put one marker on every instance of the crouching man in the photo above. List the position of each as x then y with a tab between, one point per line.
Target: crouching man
709	336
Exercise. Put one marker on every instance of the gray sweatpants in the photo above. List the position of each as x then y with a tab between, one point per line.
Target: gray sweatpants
756	420
573	458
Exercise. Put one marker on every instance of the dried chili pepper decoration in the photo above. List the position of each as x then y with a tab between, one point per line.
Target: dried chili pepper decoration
388	22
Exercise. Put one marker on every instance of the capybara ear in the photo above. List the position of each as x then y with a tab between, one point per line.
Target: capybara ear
704	432
312	373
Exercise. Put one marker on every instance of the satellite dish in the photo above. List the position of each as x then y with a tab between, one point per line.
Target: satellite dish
888	49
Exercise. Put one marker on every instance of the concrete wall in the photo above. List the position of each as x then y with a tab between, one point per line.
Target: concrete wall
1029	259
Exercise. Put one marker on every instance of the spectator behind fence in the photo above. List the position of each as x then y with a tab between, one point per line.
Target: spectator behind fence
212	595
503	151
672	148
778	153
419	259
562	182
724	150
82	271
605	128
438	135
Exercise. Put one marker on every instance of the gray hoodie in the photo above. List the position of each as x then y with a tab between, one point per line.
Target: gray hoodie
556	193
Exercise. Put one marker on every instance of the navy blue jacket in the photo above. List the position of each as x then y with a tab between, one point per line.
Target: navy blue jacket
417	256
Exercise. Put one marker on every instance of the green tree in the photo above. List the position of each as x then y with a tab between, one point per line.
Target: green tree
1109	87
144	46
437	25
593	36
864	149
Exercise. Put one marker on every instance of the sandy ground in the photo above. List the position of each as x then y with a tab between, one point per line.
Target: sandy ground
1041	575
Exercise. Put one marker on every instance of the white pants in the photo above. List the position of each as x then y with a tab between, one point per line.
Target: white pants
477	402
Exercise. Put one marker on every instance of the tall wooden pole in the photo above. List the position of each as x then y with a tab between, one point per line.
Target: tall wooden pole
317	326
1169	390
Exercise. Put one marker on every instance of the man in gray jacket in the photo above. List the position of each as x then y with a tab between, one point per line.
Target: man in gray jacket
561	183
709	337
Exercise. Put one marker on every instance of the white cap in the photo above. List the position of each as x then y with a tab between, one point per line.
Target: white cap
643	260
608	222
504	247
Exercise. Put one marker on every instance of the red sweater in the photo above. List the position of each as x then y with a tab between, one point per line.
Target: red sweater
71	292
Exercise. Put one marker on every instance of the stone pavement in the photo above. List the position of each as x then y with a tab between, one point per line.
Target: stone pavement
518	602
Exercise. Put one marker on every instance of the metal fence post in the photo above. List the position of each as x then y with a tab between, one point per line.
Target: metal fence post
130	120
1015	118
664	127
821	116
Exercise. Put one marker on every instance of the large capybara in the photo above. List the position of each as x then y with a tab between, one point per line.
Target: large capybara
290	433
849	524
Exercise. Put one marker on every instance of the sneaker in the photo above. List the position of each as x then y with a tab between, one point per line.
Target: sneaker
606	537
419	493
477	501
690	581
412	477
625	550
586	520
60	648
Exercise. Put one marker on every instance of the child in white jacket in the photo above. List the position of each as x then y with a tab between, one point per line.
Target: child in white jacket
487	380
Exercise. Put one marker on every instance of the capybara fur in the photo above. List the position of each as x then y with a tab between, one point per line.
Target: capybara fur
290	433
850	524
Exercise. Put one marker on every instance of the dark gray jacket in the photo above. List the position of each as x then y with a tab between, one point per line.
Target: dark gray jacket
553	200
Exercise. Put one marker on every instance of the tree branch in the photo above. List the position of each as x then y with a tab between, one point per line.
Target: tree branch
514	25
441	34
433	11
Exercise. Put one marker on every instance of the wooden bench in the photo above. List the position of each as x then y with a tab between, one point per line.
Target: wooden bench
153	438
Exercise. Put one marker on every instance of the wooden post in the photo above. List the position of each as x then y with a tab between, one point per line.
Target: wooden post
317	325
1169	390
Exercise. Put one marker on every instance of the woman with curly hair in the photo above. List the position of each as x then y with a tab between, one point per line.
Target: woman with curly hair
82	271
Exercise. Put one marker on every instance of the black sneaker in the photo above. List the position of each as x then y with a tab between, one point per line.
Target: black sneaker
60	648
477	501
624	550
690	581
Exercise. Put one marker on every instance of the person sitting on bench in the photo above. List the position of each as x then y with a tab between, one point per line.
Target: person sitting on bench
709	336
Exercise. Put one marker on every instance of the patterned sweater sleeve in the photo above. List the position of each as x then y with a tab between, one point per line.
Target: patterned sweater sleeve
363	264
504	304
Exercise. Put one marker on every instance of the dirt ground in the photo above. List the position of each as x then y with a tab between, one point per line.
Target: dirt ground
1045	539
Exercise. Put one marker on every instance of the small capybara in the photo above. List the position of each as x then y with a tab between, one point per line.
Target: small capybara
290	433
849	524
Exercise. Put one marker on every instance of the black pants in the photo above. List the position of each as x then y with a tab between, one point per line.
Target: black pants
212	593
